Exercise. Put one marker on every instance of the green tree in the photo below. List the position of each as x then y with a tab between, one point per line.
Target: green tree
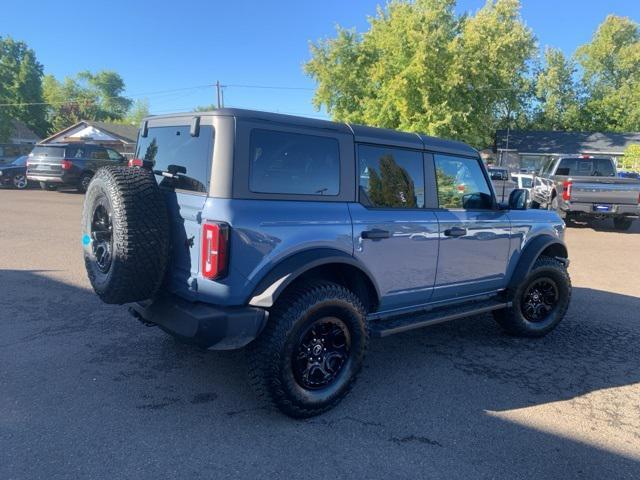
558	105
139	109
420	67
20	88
611	78
88	96
631	158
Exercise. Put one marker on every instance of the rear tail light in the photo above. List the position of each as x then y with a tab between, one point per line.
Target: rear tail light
215	250
566	190
136	162
66	164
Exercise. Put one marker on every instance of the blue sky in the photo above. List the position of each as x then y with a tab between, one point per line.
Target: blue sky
168	45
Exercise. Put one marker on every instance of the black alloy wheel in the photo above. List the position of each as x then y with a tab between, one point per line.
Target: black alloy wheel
539	299
102	237
321	352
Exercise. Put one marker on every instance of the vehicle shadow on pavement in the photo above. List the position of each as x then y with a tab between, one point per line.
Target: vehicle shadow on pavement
91	380
603	226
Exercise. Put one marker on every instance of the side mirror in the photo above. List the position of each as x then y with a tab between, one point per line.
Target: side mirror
518	199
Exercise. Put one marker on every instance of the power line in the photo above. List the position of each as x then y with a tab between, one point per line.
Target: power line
135	96
271	87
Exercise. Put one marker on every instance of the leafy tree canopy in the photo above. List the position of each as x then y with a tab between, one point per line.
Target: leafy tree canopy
86	96
420	67
20	88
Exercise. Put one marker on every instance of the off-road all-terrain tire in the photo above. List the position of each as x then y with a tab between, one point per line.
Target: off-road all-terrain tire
622	223
514	319
125	228
271	356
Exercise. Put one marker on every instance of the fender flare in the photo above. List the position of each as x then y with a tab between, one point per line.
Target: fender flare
279	277
530	254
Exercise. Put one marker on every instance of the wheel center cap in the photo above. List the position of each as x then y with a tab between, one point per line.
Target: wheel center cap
317	349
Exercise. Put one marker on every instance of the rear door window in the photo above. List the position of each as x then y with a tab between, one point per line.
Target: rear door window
390	177
76	152
169	148
293	163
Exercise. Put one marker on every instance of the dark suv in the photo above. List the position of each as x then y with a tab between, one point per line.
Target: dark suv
71	165
300	238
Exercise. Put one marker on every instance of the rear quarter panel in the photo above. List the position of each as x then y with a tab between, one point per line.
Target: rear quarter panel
265	232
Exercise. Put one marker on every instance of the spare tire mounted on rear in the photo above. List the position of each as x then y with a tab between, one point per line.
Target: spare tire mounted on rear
125	234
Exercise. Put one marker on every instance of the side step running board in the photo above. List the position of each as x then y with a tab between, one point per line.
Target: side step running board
389	326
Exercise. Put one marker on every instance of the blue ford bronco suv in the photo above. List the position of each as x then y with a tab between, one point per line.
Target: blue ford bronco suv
299	239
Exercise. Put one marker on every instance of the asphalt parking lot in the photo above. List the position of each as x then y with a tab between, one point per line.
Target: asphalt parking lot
88	392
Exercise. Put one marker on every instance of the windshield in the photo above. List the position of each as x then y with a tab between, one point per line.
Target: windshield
42	151
586	167
547	166
20	161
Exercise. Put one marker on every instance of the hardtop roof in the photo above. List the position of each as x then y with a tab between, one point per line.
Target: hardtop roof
361	133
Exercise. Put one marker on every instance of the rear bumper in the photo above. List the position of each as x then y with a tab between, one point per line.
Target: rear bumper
45	178
66	178
590	209
209	326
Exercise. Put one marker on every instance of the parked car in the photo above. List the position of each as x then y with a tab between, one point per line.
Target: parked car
14	174
588	186
627	174
502	183
70	165
299	238
9	152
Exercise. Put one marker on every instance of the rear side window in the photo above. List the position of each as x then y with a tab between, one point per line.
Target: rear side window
390	177
293	163
461	183
169	148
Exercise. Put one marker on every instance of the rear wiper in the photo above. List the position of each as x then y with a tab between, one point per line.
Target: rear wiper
172	171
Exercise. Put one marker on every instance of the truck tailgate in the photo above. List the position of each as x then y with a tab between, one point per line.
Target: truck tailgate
607	191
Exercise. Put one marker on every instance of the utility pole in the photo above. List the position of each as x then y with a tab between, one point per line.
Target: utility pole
218	91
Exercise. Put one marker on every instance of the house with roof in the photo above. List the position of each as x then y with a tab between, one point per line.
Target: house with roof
20	142
521	149
120	137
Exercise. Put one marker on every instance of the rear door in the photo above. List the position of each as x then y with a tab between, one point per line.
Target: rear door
170	147
394	235
474	236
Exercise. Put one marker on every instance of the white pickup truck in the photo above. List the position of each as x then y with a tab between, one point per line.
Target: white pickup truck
588	186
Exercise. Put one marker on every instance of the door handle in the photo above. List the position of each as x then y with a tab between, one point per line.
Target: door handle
455	232
375	234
